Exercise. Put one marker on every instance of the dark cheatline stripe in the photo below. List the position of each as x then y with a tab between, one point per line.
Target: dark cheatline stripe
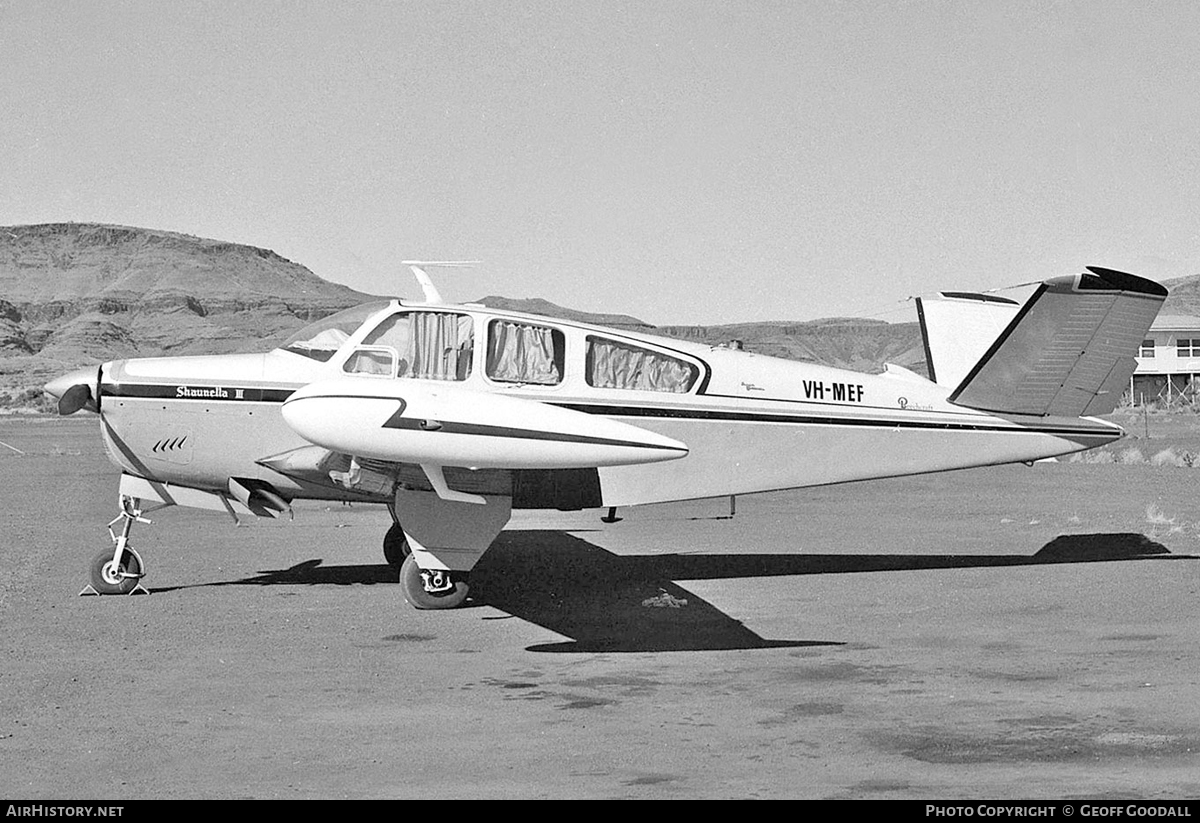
925	339
261	395
192	391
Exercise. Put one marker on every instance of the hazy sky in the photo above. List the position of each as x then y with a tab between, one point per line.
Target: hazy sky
680	161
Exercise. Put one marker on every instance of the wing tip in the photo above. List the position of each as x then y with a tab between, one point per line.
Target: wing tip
1123	281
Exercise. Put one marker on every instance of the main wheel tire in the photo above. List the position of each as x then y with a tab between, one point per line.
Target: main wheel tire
395	546
107	580
414	588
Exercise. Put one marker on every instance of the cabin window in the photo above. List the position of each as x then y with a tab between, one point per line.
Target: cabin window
524	353
1147	349
425	344
1188	348
613	365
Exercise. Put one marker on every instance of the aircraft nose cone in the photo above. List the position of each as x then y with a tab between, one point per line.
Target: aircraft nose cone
74	391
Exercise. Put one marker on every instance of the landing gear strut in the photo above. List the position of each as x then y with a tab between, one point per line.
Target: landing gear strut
432	588
119	570
395	546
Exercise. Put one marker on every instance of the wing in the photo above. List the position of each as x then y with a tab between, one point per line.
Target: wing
435	426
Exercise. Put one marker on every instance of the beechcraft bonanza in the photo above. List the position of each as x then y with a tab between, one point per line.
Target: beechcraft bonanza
454	415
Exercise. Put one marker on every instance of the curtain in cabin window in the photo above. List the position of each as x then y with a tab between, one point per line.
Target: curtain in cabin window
430	345
521	354
441	346
613	365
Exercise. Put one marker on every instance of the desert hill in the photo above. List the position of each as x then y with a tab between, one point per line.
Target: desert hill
536	305
1184	297
81	292
78	293
845	342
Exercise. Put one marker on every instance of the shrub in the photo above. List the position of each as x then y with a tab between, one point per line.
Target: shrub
1132	456
1168	457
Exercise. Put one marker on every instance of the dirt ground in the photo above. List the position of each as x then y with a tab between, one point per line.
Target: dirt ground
1019	632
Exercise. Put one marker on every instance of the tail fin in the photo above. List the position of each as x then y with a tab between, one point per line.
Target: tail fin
1069	350
958	329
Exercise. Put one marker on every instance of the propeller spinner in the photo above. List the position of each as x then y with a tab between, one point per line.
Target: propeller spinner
75	391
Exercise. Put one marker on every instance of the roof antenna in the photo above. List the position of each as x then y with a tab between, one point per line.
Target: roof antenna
418	270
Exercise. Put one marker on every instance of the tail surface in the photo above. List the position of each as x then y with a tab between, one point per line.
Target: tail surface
1068	352
958	329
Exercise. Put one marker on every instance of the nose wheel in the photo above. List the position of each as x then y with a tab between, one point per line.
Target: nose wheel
120	577
432	588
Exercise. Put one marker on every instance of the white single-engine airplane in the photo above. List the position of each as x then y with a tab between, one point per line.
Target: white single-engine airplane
454	415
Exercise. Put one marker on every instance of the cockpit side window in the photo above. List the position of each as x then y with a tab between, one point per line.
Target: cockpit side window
618	365
424	344
391	337
376	361
524	353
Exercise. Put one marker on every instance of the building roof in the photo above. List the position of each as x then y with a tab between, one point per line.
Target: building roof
1175	322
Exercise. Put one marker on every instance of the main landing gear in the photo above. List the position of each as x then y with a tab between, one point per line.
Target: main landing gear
442	539
119	570
423	588
395	546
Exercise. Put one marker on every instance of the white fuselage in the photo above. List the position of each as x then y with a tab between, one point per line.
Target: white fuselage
750	423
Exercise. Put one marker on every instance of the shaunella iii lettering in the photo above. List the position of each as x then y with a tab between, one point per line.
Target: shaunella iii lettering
213	393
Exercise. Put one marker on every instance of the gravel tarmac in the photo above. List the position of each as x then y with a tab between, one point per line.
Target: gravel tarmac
1022	632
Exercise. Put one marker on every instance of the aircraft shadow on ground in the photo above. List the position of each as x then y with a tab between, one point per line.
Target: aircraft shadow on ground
607	602
612	603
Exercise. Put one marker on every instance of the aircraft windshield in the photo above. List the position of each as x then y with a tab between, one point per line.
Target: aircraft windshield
320	340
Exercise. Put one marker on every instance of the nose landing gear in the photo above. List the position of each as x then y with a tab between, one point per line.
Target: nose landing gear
120	570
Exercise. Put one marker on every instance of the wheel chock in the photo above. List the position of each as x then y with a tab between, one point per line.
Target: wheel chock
88	591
